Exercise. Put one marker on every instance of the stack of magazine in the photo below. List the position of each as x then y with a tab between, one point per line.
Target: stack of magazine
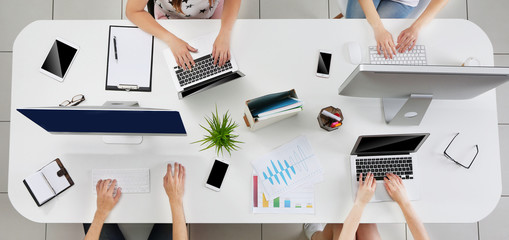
284	105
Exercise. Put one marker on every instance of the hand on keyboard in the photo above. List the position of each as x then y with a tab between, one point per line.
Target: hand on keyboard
407	39
105	195
396	189
221	49
385	43
367	188
180	50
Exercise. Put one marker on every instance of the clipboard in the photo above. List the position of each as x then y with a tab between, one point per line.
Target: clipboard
130	57
48	182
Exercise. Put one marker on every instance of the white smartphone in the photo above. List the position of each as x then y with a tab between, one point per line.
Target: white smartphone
324	60
59	59
217	174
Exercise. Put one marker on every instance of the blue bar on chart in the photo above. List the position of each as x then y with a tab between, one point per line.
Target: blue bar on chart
287	204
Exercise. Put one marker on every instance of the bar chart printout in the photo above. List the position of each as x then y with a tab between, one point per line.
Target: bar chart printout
288	167
298	201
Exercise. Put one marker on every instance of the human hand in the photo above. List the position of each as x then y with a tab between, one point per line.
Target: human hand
395	188
221	49
174	183
385	43
180	50
366	189
105	199
407	39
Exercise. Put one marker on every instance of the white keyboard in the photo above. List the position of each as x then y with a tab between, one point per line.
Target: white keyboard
130	180
416	56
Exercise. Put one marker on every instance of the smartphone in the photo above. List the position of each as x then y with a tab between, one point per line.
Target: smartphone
324	60
217	174
59	59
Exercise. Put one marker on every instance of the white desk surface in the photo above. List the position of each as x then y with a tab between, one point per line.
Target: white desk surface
275	55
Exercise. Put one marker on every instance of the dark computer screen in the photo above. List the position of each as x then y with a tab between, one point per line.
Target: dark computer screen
66	120
388	144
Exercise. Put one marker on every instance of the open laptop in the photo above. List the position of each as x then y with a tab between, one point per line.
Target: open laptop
204	74
381	154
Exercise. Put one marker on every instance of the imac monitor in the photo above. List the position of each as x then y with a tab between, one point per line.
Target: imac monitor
407	91
106	120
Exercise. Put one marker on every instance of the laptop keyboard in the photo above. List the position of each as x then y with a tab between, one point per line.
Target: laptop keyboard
204	67
401	166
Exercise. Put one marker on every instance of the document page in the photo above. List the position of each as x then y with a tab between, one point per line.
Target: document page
40	187
132	63
57	183
288	167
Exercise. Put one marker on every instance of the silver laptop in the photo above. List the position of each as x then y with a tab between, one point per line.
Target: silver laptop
382	154
204	74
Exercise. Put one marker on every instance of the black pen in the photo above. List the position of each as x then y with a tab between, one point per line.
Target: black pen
115	47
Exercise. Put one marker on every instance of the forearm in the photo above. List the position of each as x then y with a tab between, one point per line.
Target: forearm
416	227
371	14
136	14
97	224
179	221
352	222
429	13
230	12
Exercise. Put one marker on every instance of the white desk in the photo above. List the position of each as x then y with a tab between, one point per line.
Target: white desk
275	55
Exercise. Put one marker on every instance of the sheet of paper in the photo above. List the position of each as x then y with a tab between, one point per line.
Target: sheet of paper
57	183
133	65
288	167
298	201
40	187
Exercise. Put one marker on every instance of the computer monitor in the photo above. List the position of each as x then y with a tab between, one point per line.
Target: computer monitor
407	91
113	118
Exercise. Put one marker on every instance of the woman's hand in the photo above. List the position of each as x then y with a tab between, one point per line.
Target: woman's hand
407	39
221	49
395	188
384	43
174	183
180	50
105	199
366	189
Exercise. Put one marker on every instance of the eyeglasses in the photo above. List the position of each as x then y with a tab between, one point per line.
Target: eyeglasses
74	101
452	159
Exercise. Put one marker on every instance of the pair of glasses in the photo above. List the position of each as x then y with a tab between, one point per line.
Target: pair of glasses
74	101
452	159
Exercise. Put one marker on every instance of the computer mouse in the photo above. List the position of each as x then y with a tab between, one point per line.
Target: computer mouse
354	51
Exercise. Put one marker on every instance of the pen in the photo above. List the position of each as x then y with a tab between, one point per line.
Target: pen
115	47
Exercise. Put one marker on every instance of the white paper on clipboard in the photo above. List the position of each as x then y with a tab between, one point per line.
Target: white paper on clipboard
132	65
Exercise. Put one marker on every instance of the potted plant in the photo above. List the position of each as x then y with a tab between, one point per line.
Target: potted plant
221	134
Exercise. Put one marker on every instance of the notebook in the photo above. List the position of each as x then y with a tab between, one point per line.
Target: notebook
48	182
129	59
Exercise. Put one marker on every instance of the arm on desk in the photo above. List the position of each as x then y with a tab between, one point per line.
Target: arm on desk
408	37
105	203
135	11
221	48
174	187
397	191
364	195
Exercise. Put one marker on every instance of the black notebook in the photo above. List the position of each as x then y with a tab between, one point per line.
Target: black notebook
48	182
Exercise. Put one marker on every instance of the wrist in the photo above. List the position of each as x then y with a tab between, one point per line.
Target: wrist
101	215
175	202
360	204
168	38
405	204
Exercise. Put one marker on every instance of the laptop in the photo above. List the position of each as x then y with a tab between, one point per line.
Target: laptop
381	154
204	74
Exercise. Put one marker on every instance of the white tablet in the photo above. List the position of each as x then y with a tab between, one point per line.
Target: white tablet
59	59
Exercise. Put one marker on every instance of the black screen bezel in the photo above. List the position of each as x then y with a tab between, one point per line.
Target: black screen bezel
354	150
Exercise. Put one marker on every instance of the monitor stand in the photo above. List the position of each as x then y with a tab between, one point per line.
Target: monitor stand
406	112
122	139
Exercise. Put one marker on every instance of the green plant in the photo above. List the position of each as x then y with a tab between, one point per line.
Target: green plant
221	134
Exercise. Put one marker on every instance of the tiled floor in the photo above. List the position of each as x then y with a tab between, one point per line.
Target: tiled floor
488	14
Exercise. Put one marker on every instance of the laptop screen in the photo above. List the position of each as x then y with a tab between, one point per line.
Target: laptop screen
388	144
